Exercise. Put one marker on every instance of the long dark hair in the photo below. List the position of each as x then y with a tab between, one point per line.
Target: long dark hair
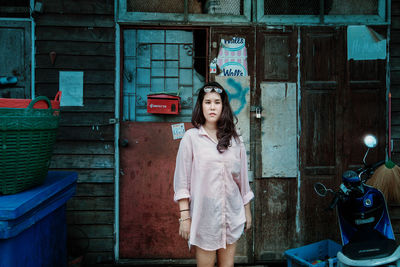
226	123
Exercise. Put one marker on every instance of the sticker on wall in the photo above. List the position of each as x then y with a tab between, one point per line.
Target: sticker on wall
178	130
232	57
363	43
213	66
71	86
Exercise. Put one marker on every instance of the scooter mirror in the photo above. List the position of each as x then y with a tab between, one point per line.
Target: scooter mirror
370	141
320	189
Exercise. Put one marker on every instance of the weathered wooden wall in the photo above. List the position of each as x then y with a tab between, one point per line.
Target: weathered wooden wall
395	78
82	34
394	52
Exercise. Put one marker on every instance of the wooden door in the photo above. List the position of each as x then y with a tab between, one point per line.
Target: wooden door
276	194
341	101
15	55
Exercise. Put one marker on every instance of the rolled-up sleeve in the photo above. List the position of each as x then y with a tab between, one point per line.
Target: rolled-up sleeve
183	169
245	190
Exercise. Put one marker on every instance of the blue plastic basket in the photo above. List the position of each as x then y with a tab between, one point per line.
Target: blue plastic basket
324	250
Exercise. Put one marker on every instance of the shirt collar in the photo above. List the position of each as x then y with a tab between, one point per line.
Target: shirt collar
202	131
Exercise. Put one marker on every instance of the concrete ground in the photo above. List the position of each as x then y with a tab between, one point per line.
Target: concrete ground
271	264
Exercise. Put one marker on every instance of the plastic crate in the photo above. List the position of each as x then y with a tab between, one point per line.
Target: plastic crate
324	251
24	103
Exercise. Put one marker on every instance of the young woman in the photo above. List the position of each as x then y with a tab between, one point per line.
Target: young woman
211	180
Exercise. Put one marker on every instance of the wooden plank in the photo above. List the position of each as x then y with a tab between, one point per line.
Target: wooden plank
81	133
98	231
91	203
394	50
395	77
395	107
395	131
395	23
90	217
395	90
395	8
395	36
89	90
94	190
68	47
92	105
394	211
96	257
274	202
396	146
94	244
82	34
87	147
84	63
68	20
82	161
396	158
395	63
90	76
105	7
92	175
85	119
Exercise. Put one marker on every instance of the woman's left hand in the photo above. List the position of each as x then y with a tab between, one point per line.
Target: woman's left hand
247	210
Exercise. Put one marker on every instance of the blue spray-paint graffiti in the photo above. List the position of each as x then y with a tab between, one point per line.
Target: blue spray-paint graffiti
239	94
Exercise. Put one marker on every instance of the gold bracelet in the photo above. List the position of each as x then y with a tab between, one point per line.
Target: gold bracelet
181	220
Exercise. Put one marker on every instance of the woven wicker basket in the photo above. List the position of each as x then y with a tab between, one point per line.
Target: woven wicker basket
27	137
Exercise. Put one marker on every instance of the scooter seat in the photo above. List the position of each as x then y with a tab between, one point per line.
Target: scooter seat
369	250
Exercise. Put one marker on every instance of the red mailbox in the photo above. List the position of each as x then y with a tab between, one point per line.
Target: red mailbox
163	104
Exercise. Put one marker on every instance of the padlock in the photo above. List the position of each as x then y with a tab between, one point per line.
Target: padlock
258	113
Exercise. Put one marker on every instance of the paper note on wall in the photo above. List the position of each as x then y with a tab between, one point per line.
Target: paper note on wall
363	43
71	86
178	130
232	57
238	90
279	130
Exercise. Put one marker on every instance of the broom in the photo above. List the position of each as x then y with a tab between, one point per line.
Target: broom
386	178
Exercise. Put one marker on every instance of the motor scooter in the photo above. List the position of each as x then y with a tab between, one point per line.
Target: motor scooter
365	227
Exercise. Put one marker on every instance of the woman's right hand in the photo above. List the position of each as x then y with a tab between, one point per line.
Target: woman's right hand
184	229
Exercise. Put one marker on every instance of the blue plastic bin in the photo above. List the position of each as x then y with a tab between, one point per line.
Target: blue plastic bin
324	250
32	223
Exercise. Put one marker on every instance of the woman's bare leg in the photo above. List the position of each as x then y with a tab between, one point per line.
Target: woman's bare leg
205	258
226	256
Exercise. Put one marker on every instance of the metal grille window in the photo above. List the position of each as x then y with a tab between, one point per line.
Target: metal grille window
162	61
291	7
354	7
322	11
233	7
185	10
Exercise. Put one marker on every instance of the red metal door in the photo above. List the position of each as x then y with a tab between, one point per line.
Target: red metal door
154	61
148	215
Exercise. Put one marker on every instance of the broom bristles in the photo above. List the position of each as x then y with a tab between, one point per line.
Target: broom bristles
387	180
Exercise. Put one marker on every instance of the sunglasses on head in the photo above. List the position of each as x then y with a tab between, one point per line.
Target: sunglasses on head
209	89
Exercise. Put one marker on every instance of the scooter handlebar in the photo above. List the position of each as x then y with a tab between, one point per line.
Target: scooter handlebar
368	170
334	202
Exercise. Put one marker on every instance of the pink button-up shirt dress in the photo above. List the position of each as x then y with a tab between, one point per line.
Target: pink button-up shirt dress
217	186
